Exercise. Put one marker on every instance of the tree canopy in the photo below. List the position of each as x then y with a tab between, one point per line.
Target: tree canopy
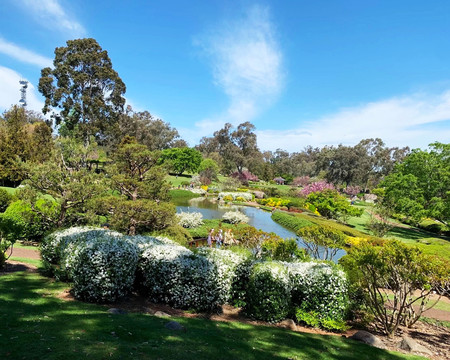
420	185
85	89
180	160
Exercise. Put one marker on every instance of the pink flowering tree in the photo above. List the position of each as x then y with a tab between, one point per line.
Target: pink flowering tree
301	181
316	187
245	176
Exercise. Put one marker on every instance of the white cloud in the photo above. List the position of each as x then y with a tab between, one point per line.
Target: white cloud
247	65
50	14
414	120
10	91
23	55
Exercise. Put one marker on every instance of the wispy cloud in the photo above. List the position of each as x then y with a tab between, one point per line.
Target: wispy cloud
247	64
414	120
50	14
23	55
10	91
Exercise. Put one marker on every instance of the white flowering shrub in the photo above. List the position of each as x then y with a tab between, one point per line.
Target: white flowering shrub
244	195
59	248
235	217
175	275
104	270
268	292
199	191
189	220
319	288
230	268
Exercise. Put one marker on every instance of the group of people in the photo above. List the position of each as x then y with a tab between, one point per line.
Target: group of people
221	238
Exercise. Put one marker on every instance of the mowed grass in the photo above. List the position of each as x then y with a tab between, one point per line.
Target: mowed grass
10	190
428	242
36	324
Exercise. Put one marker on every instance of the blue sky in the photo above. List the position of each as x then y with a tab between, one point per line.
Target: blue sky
316	73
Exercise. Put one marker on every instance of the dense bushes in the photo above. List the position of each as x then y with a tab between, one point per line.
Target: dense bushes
201	281
245	196
235	217
5	199
389	277
104	271
290	221
268	293
25	223
103	266
189	220
319	293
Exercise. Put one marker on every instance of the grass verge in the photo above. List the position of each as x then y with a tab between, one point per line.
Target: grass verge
36	324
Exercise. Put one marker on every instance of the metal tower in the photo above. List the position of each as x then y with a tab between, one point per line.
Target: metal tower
23	93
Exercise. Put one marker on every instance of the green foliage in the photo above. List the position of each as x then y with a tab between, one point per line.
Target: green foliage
283	250
392	274
208	168
332	205
176	194
21	222
136	173
268	292
179	160
322	242
432	226
5	200
84	86
313	319
290	221
176	233
136	216
420	185
63	184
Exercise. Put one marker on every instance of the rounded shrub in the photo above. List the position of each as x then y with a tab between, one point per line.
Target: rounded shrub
319	288
174	275
103	270
268	292
235	217
189	220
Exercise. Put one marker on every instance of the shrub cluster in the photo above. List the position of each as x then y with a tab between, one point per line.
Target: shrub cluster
189	220
104	265
268	293
175	275
234	195
235	217
319	290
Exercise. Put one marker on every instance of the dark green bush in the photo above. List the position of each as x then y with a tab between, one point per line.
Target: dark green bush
25	224
268	292
432	226
290	221
176	233
283	250
5	200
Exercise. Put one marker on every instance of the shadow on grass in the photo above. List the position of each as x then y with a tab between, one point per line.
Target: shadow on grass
35	324
414	234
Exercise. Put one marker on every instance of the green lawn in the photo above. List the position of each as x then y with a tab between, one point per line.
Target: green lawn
177	180
428	242
9	189
36	324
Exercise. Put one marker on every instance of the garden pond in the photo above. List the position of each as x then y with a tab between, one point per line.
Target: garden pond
258	218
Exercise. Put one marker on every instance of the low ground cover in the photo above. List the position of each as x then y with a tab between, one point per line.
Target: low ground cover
36	323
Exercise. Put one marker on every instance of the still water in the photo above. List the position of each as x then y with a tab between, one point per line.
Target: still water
259	219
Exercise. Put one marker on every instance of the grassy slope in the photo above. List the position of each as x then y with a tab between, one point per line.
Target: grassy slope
9	189
427	241
35	324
